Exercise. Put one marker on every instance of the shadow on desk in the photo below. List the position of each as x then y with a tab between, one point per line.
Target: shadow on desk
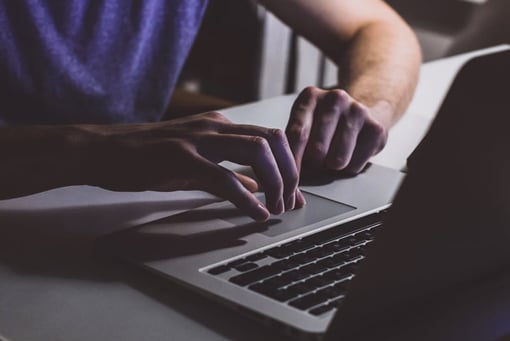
60	243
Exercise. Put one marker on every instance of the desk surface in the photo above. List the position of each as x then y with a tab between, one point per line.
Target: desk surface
53	286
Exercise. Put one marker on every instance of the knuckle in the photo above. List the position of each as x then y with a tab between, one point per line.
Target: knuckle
216	116
259	143
318	149
298	134
359	110
308	94
379	135
206	123
336	96
334	102
377	130
276	135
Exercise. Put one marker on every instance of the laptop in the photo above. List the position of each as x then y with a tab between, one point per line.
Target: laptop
334	268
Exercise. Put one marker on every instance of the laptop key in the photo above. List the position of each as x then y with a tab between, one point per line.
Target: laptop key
219	270
331	291
337	302
277	282
322	309
281	295
318	252
255	257
337	274
285	264
236	262
246	267
300	288
254	275
308	301
302	258
337	245
319	281
279	252
294	275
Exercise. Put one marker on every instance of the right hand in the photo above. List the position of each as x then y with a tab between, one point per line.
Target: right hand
183	154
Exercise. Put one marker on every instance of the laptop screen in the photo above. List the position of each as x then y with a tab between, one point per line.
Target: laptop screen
449	225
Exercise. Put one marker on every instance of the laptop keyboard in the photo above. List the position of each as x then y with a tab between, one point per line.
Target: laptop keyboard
312	273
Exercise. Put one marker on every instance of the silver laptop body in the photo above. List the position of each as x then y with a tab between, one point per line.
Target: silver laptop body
422	250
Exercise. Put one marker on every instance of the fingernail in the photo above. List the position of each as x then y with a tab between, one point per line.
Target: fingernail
291	202
261	214
301	201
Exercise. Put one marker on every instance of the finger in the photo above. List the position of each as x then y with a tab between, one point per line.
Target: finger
282	153
223	183
300	199
300	122
253	151
326	117
248	183
371	140
346	136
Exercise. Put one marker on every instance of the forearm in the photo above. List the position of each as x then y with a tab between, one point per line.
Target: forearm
380	69
39	158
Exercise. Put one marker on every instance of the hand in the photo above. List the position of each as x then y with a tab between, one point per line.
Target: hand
328	130
182	154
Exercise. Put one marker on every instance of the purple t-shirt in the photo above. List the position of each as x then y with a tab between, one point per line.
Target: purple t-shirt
92	61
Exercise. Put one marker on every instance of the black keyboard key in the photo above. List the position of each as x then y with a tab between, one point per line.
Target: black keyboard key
356	252
331	291
308	301
236	262
336	303
281	295
331	262
218	270
261	288
365	235
246	267
294	275
318	252
312	268
255	275
300	288
343	286
285	264
322	309
351	268
279	252
337	245
338	274
318	281
255	257
277	282
301	258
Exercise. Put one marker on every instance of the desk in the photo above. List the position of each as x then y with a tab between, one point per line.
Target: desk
53	286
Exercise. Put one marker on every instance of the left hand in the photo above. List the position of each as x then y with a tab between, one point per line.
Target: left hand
328	130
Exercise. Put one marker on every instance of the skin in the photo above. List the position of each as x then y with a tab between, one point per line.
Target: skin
328	130
378	58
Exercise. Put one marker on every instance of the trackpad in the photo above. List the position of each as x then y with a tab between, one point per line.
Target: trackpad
316	209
